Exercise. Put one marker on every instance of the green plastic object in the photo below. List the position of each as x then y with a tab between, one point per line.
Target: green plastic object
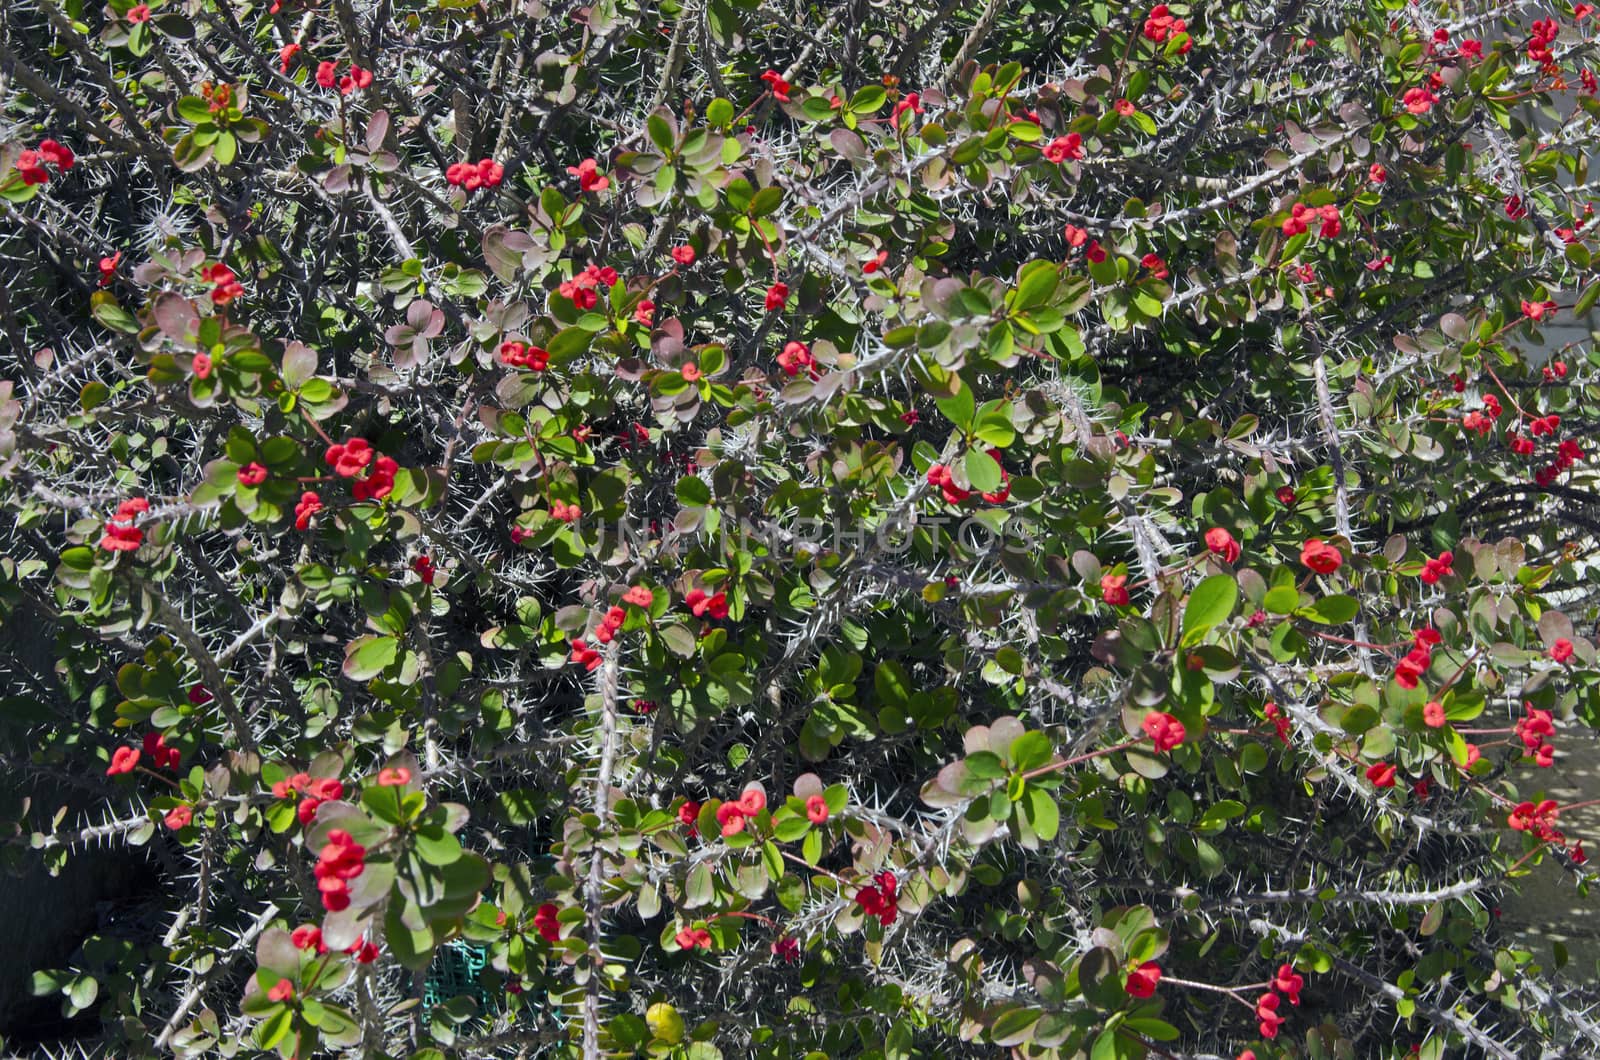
454	972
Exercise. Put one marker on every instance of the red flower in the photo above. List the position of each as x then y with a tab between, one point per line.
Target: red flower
123	759
879	898
816	809
161	756
639	596
356	78
1538	821
1075	236
365	952
1113	589
683	254
1275	715
694	938
1267	1016
795	357
752	801
1062	148
589	176
1577	854
120	537
1143	980
252	474
911	101
327	74
139	13
1514	208
1286	496
1434	569
777	295
687	814
1561	650
307	937
1320	556
286	56
1222	543
1165	731
178	817
1537	311
57	154
565	513
282	990
1096	253
731	818
690	372
1287	982
349	458
645	312
545	920
225	286
584	655
697	601
1419	100
1126	108
310	504
786	948
341	860
1433	714
1157	267
394	777
1381	774
201	365
108	268
778	86
1377	174
939	475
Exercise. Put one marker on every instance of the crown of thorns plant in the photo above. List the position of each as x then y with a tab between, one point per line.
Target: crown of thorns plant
721	529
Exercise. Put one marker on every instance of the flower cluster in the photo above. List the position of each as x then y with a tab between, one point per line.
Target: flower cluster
777	86
582	288
715	604
589	176
732	815
518	354
1410	669
161	754
1160	24
470	176
796	358
310	792
1063	148
1320	556
545	922
1434	569
49	152
1302	216
1165	731
309	505
120	533
1223	545
341	860
1532	729
328	76
225	286
880	897
350	458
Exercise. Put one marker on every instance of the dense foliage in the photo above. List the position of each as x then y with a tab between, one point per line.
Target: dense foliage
783	530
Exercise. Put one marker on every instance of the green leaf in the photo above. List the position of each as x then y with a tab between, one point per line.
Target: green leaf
1332	610
368	656
1043	813
983	471
1210	603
